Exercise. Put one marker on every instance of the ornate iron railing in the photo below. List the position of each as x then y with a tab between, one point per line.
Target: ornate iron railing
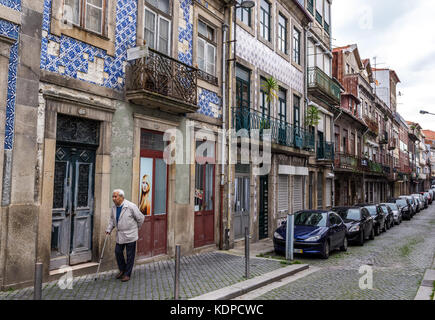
207	77
318	79
159	73
282	133
325	151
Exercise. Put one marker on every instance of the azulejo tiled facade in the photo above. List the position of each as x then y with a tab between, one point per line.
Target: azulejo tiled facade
75	59
13	4
10	30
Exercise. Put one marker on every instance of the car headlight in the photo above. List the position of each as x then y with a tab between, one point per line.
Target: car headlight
278	236
354	229
312	239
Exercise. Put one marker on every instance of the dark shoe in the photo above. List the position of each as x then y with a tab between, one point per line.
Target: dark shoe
125	278
119	276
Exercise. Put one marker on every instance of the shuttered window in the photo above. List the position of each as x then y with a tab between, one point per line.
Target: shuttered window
283	193
297	194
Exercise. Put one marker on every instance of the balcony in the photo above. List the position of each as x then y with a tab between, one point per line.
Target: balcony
372	124
383	139
282	133
325	151
346	161
161	82
323	87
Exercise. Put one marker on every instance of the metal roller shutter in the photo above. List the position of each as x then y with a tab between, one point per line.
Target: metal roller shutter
328	192
282	193
297	194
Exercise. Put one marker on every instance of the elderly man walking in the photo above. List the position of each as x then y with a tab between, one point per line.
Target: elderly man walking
127	219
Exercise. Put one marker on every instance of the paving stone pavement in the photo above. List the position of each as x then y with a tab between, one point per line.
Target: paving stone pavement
399	259
199	274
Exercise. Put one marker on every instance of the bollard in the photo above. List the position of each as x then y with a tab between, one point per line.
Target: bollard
177	272
37	290
247	271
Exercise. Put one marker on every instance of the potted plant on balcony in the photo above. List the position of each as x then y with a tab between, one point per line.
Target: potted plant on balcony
312	117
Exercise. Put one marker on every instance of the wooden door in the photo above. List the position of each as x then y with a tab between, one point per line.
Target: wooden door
153	196
204	205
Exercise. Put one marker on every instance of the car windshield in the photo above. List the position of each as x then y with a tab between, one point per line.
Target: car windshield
315	219
401	202
372	210
350	214
384	209
393	206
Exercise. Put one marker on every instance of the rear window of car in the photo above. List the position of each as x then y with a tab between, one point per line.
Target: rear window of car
350	214
402	202
384	208
372	210
393	206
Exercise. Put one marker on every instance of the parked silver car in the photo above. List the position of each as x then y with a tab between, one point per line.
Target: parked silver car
414	203
421	201
397	214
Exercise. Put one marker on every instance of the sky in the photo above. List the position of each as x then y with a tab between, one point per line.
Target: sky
401	34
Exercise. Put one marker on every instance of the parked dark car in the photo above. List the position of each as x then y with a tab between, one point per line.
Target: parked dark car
422	201
414	204
405	207
378	215
359	223
397	214
389	216
315	232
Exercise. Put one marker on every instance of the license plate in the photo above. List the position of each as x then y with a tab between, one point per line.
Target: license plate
298	251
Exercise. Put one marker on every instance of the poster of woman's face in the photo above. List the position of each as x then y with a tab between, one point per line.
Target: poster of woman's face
146	178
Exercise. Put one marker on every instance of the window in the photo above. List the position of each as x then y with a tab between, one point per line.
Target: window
311	54
296	112
89	14
244	15
310	6
282	97
319	11
265	19
162	5
206	48
347	68
328	65
296	46
319	59
282	33
264	104
157	29
327	16
243	87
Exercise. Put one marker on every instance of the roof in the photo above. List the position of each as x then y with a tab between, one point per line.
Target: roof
353	48
429	134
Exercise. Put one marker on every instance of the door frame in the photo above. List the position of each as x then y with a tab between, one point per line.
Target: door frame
154	155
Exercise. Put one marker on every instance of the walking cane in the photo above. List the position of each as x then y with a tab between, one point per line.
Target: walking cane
101	258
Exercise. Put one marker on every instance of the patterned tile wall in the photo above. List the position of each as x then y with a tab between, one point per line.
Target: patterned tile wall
10	30
79	60
14	4
73	58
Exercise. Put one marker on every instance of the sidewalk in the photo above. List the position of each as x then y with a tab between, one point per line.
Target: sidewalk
200	274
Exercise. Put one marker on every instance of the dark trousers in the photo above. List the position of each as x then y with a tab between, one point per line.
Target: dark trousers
130	248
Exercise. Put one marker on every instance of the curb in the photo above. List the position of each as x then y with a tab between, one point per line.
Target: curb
427	286
246	286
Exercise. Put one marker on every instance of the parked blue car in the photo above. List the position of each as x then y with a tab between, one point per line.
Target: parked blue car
316	232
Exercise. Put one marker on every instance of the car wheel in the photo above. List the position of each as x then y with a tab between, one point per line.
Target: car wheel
325	253
372	234
361	239
344	246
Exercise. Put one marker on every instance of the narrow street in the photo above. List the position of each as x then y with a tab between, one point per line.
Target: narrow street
399	259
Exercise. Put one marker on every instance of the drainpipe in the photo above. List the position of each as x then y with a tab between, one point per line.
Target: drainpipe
224	126
230	99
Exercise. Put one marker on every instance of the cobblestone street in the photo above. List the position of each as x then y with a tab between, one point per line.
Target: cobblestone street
399	258
199	274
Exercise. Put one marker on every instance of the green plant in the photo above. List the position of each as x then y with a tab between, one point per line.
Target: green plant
313	117
270	87
264	124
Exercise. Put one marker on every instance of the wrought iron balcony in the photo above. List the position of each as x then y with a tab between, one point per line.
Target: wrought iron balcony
282	133
372	124
159	81
322	86
325	151
346	161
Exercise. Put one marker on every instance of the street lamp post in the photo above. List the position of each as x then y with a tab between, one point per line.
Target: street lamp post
425	112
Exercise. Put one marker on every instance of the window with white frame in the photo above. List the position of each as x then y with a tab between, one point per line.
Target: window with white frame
319	58
319	11
311	54
206	48
265	19
296	46
282	33
157	28
327	65
88	14
327	23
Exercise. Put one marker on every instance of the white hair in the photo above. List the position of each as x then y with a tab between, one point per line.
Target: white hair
119	191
